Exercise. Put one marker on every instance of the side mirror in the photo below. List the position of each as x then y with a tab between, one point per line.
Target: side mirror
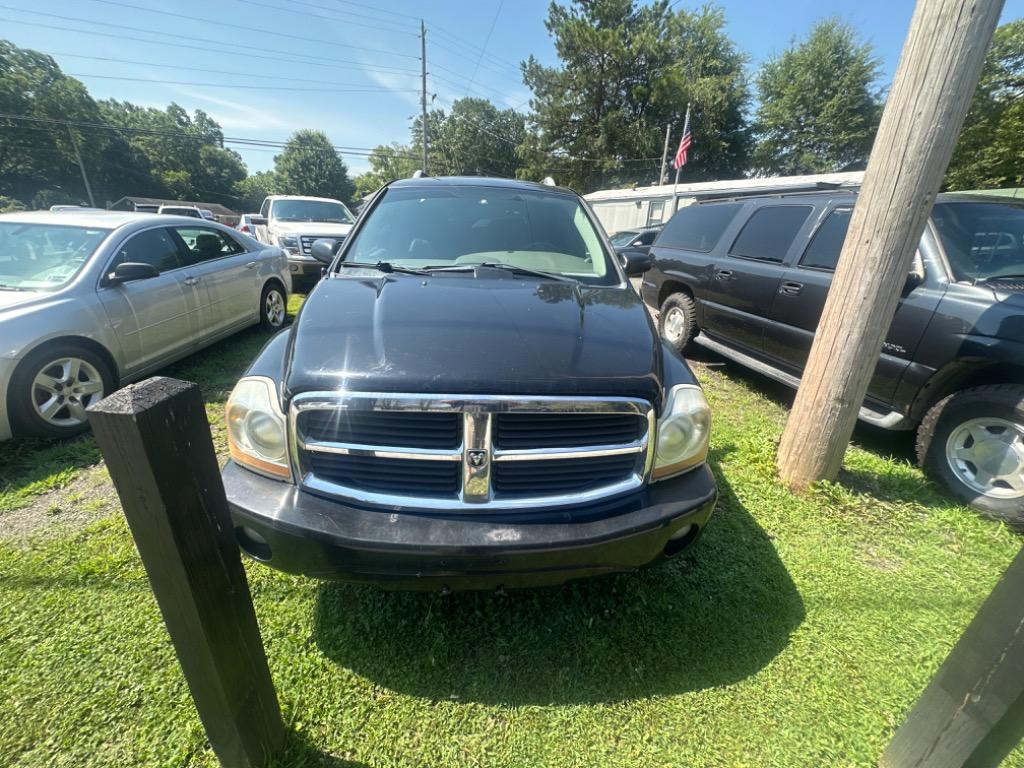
324	249
914	278
131	270
258	221
635	261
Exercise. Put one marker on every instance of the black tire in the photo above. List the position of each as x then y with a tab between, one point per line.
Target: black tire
273	319
21	397
684	304
1000	401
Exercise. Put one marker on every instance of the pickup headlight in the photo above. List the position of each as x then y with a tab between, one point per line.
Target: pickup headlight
257	430
683	432
288	242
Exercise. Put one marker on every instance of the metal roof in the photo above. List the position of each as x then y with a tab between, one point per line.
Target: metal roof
216	208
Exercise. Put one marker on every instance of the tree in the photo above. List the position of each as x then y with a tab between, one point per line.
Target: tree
309	165
627	70
476	139
819	105
990	153
387	163
250	191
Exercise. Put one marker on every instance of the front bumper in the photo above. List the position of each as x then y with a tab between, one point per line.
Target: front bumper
325	538
304	267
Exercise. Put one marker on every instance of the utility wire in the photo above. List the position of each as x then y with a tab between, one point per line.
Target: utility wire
250	29
291	54
259	87
487	40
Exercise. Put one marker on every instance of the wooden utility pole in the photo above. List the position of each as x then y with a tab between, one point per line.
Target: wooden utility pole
663	176
81	167
423	88
155	440
937	74
972	712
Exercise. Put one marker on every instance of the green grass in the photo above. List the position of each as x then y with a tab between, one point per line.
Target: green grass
798	632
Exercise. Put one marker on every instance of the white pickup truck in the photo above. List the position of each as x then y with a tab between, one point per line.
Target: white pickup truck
294	222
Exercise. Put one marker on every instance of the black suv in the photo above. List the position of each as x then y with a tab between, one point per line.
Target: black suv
472	397
748	278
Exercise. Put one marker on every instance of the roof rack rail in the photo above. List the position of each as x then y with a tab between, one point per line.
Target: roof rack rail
419	173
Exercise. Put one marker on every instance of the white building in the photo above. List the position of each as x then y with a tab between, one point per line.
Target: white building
620	209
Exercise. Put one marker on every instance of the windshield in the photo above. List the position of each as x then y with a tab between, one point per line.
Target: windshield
983	241
311	210
453	226
44	256
623	238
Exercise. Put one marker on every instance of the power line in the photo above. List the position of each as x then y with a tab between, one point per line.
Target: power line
291	54
307	14
204	70
253	87
487	40
275	33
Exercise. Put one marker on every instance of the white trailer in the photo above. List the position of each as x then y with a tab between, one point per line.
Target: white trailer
619	209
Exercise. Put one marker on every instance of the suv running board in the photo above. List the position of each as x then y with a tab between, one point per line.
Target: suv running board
888	420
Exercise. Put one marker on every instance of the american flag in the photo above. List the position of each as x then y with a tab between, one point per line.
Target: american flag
684	143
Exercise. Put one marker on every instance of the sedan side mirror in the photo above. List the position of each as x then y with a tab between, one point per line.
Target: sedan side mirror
635	261
131	270
324	249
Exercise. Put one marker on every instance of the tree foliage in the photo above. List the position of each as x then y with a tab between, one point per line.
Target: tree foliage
309	165
990	152
250	191
626	71
818	104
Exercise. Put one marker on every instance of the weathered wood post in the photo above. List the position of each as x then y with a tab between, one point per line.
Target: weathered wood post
937	74
972	712
157	446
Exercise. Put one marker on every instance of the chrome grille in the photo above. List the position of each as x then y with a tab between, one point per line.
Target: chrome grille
461	452
306	242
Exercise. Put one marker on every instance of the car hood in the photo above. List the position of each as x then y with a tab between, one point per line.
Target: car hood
463	334
309	228
14	299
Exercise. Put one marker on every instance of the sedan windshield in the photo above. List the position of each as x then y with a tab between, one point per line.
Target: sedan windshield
44	256
311	210
620	239
463	226
983	241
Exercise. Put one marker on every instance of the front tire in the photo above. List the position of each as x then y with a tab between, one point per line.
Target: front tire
273	307
677	321
973	441
53	386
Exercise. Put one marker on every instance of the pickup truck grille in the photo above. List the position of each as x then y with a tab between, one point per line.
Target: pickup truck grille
306	242
455	452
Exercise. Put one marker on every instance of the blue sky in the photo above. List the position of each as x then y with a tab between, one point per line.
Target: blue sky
356	61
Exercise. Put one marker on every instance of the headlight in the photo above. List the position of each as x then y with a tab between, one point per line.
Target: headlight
683	432
288	242
257	431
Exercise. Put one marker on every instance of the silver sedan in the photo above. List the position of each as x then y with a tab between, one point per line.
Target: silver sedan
90	301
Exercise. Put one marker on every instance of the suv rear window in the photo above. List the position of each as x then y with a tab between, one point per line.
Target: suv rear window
770	231
698	227
827	243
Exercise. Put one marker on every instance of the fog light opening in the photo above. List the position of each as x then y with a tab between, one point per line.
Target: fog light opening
681	540
252	543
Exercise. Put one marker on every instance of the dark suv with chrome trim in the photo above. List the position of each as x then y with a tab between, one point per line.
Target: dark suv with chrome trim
748	279
473	397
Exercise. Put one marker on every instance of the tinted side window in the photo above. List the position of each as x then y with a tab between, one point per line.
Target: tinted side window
207	244
770	231
698	227
154	246
823	252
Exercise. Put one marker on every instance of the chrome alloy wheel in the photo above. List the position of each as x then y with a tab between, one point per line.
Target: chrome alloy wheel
274	308
63	389
675	324
987	455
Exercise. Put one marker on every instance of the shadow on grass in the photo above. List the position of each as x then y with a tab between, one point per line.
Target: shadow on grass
716	616
298	752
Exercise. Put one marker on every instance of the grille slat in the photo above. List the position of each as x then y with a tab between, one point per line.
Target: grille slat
569	430
388	475
569	476
406	429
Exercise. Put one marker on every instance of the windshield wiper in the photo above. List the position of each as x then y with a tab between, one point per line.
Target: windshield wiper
1018	276
513	268
6	287
383	266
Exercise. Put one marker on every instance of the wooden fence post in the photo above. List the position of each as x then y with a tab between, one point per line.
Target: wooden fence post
156	443
937	74
972	712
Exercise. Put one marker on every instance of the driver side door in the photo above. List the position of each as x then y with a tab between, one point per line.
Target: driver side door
154	319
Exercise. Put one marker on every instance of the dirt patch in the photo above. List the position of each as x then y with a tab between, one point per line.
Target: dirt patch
87	498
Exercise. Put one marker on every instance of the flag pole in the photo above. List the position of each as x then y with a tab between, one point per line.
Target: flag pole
675	184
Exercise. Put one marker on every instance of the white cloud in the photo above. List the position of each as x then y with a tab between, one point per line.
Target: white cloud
234	114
